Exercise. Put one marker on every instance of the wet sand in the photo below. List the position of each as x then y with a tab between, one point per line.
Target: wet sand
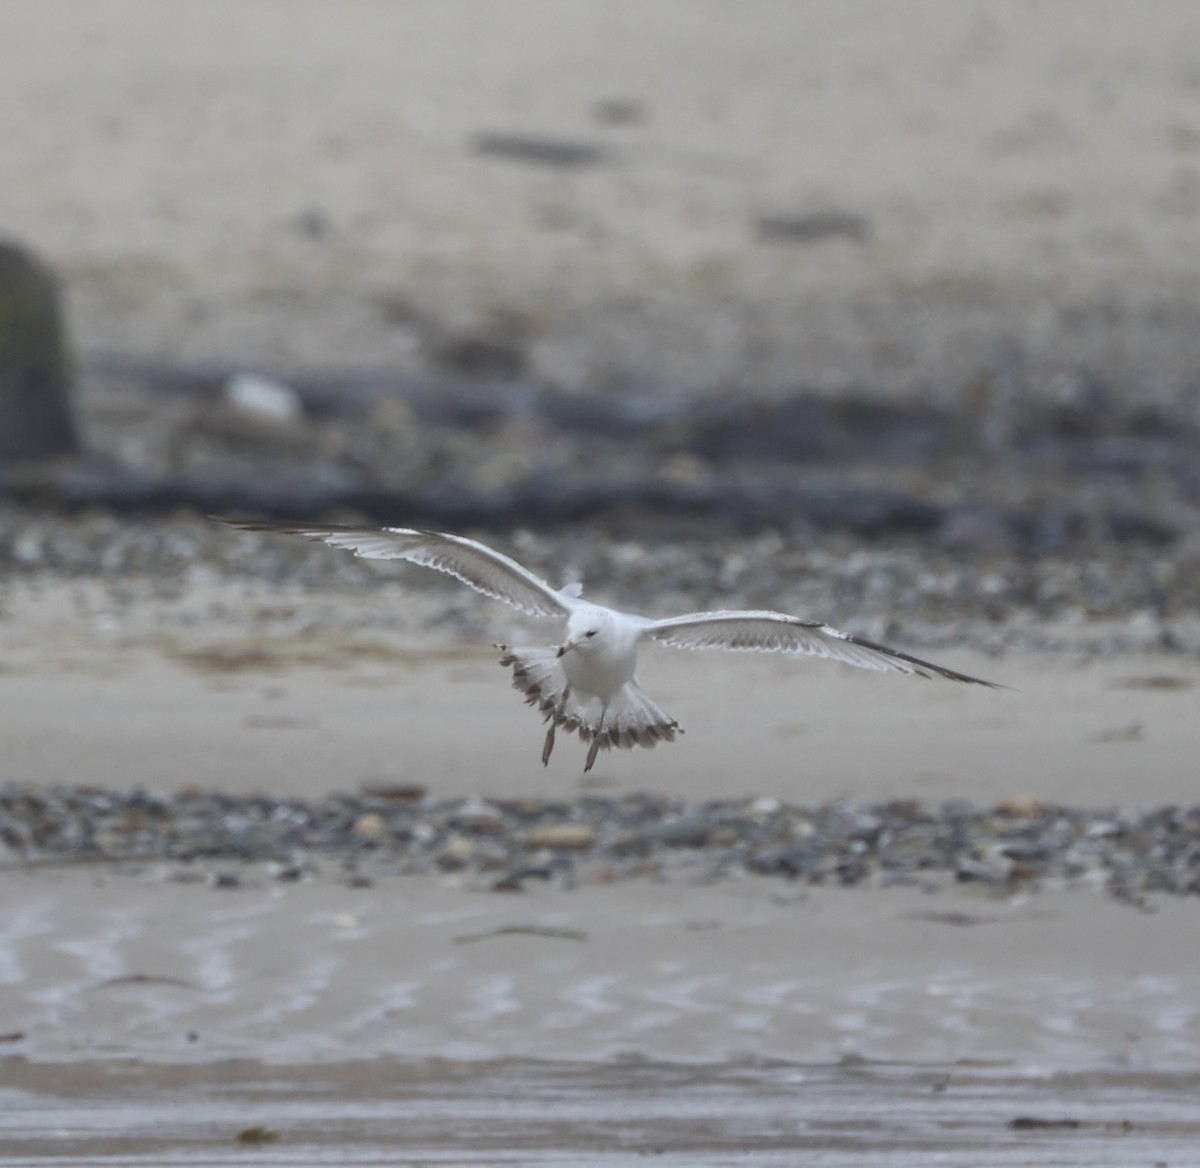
152	963
517	1112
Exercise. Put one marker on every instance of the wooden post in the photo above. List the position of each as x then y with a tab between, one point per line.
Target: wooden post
36	417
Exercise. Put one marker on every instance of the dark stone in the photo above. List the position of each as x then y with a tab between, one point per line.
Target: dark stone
812	228
619	111
36	418
688	831
480	356
540	151
1036	1123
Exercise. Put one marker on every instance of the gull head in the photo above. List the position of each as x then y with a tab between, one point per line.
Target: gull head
588	630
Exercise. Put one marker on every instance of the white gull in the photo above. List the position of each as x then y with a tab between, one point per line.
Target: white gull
587	684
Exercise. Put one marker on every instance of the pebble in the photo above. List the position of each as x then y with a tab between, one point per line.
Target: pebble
688	831
263	399
370	825
1020	845
860	585
574	837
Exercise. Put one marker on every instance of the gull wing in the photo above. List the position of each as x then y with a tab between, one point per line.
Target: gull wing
776	632
475	564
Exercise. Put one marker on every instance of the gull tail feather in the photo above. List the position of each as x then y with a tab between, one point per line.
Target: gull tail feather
633	718
630	718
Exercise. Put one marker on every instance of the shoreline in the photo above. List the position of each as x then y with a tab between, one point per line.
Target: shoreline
316	972
748	1113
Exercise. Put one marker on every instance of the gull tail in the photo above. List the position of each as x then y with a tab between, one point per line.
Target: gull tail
630	718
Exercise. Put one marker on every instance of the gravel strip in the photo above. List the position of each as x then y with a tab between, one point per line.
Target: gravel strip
1020	845
1099	599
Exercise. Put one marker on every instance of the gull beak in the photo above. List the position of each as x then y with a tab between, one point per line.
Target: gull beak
565	647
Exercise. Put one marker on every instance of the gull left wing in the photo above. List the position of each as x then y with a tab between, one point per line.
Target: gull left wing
776	632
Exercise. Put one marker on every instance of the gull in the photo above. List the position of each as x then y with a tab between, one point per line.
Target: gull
587	683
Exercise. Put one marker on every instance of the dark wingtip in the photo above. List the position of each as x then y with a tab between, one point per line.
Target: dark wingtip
967	679
252	524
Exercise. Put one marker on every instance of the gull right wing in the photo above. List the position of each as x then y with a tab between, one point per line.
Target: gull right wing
475	564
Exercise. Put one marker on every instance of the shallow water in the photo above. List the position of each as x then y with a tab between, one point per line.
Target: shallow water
507	1113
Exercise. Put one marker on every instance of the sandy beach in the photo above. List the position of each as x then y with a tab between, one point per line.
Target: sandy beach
136	688
130	962
979	216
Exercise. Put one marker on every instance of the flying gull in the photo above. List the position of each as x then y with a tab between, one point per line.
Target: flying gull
587	684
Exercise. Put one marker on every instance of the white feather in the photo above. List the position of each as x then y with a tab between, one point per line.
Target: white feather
475	564
776	632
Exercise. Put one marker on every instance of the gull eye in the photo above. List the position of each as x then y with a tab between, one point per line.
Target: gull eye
590	633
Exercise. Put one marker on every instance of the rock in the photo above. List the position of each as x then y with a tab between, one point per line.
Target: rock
575	837
813	227
257	1135
480	356
313	223
395	792
36	417
619	111
540	151
456	854
370	825
688	831
1025	806
263	400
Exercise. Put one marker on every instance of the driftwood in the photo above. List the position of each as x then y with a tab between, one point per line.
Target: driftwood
788	461
738	504
1102	431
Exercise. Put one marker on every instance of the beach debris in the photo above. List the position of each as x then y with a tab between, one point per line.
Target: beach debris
575	837
257	1135
1164	682
370	825
958	919
127	979
538	150
1036	1123
262	399
813	227
495	354
1025	806
688	831
619	111
313	223
552	932
395	792
1133	731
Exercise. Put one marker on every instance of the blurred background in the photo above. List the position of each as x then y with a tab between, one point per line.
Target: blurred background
922	274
